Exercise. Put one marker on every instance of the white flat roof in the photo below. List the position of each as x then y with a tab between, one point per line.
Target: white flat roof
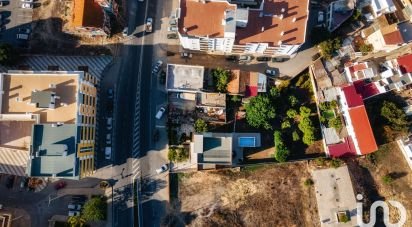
187	78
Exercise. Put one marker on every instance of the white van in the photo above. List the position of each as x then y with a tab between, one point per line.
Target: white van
109	123
23	36
160	113
108	153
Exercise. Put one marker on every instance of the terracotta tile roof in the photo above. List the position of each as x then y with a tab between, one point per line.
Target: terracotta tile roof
202	19
393	38
294	32
358	67
238	81
363	130
346	148
87	13
366	90
405	63
352	97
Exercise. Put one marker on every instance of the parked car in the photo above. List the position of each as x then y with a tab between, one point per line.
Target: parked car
109	123
186	55
157	67
160	113
24	30
162	169
271	72
245	58
321	16
74	206
172	29
231	58
31	1
263	58
173	22
60	185
74	213
27	6
10	181
125	31
149	24
23	182
172	36
23	36
108	138
108	153
110	93
279	59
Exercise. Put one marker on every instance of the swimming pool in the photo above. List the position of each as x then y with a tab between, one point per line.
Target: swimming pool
247	142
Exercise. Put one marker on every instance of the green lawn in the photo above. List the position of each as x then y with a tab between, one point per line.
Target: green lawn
328	114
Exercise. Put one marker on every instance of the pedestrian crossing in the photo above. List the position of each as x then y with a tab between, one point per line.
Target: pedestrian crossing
95	64
13	161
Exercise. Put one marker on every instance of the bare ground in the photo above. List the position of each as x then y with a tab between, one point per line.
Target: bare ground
265	196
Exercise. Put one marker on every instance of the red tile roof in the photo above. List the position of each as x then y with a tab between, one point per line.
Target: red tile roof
352	97
358	67
87	13
366	90
405	63
251	91
363	130
342	149
393	38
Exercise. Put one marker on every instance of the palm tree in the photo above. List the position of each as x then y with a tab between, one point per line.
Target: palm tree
76	221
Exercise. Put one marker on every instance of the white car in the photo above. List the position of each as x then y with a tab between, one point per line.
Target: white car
27	6
74	213
321	16
74	206
172	29
160	113
108	153
125	31
271	72
157	67
162	169
30	1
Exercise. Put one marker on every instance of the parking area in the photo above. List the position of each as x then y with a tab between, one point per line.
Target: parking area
16	20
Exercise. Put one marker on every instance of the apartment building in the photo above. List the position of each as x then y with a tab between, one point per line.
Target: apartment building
55	113
272	28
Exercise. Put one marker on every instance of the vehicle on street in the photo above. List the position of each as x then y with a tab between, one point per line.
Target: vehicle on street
245	58
231	58
109	123
60	185
10	181
279	59
172	29
108	139
108	153
24	30
125	31
263	58
149	24
73	213
186	55
160	113
110	93
23	36
173	22
172	36
162	169
31	1
271	72
72	206
321	16
23	183
157	67
186	96
27	6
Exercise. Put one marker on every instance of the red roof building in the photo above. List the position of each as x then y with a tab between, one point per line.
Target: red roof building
405	63
365	89
347	148
353	99
363	131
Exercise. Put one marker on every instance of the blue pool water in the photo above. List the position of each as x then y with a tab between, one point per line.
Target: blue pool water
247	142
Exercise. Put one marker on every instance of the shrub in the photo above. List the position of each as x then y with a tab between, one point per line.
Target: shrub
336	163
293	100
324	106
259	111
221	79
306	127
304	111
200	126
366	48
394	115
308	182
285	124
8	55
387	179
95	209
320	161
172	154
236	98
295	136
281	153
335	123
328	47
182	154
291	113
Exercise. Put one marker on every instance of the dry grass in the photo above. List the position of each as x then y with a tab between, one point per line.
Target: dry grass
264	196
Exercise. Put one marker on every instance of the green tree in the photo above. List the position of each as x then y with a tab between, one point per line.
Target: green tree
306	127
172	154
333	104
293	100
395	116
329	46
282	152
221	79
304	111
95	209
200	126
356	15
295	136
259	111
274	92
335	123
76	221
285	124
182	154
336	163
366	48
8	55
236	98
324	106
291	113
308	182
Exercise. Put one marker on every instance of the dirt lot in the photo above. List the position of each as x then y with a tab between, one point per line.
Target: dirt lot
367	173
52	33
252	197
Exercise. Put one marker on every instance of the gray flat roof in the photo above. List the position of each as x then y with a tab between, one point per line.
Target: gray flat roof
54	150
42	99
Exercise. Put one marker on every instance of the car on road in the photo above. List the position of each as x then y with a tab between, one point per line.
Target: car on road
245	58
172	36
108	153
263	58
149	24
24	30
321	16
157	67
10	181
173	22
27	6
186	55
162	168
72	206
172	29
125	31
108	138
73	213
23	182
109	123
271	72
23	36
60	185
110	93
159	113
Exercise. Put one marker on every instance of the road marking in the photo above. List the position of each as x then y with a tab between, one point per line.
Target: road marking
160	126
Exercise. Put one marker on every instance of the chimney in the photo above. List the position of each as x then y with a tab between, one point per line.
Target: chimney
282	33
294	19
263	28
282	10
184	29
280	42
